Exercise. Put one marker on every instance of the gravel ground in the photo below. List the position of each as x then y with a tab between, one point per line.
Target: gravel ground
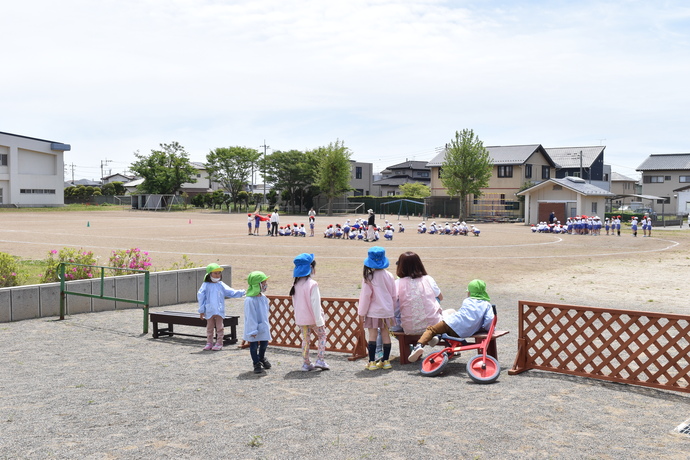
93	386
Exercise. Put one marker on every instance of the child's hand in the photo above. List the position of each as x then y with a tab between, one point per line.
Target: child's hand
201	315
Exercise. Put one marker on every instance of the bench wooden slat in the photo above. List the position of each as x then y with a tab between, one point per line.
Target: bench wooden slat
185	318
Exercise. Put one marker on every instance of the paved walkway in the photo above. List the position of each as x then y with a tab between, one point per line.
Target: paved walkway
94	387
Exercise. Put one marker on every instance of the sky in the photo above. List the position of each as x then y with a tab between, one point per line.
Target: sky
393	80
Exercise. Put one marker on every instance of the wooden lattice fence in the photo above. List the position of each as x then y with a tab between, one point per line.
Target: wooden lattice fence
345	329
634	347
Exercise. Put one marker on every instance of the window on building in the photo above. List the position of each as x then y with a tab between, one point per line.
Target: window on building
594	208
358	172
667	177
505	171
652	179
528	171
358	192
390	193
557	187
3	159
503	198
439	172
423	174
684	179
1	202
545	172
37	191
576	173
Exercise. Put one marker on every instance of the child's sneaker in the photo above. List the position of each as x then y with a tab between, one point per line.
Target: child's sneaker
416	353
208	346
372	366
307	367
321	364
265	363
434	341
257	368
386	365
217	347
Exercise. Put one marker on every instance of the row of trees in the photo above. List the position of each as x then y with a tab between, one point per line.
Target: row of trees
86	191
302	175
299	175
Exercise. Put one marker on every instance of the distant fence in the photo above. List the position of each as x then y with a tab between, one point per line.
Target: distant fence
345	330
634	347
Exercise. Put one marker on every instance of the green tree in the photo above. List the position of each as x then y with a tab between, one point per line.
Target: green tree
415	190
231	168
293	172
333	171
467	167
165	170
113	188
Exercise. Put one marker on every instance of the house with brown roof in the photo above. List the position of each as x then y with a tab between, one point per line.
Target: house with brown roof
402	173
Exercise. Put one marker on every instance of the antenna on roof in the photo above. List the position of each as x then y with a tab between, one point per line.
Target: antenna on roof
601	141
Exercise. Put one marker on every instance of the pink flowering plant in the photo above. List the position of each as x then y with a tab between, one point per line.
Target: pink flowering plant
9	271
133	258
72	272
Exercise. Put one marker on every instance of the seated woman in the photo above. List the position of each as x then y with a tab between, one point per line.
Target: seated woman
418	295
474	315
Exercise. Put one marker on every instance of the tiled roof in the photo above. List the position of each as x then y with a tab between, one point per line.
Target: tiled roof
665	161
507	155
575	184
569	157
410	165
616	177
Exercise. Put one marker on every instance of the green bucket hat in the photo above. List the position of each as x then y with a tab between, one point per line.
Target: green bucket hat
477	290
254	280
213	268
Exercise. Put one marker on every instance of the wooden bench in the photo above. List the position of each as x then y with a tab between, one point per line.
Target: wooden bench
183	318
406	342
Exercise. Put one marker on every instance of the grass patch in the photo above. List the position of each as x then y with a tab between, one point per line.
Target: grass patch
32	270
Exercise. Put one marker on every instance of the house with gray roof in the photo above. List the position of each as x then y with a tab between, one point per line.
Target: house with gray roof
584	162
667	175
402	173
515	167
566	197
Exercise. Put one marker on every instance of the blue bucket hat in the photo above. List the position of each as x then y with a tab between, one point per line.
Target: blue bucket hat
302	265
376	258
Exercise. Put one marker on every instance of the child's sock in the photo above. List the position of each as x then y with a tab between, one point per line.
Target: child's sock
372	351
386	351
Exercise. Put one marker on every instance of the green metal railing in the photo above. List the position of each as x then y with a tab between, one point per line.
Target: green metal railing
64	292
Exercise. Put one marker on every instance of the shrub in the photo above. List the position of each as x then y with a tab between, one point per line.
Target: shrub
185	264
132	258
73	256
8	271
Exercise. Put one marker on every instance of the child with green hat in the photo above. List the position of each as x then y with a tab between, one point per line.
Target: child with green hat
211	297
257	330
475	314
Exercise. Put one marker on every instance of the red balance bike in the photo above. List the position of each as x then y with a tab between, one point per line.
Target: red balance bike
481	368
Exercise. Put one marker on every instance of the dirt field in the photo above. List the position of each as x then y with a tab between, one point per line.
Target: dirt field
608	271
93	386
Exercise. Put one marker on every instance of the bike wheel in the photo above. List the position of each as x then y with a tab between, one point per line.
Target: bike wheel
483	370
434	363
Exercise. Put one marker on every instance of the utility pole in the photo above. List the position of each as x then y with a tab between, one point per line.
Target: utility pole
266	147
104	163
72	167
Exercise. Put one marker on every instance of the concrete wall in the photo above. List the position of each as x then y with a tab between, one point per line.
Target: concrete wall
43	300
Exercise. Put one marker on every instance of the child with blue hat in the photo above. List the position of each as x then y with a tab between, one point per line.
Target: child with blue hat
376	304
257	330
306	304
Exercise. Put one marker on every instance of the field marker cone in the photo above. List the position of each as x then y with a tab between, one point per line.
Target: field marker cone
88	224
190	221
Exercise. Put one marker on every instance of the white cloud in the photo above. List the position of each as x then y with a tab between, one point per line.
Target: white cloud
394	79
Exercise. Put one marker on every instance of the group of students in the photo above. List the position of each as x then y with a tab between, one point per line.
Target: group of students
359	231
455	228
409	303
592	225
306	302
